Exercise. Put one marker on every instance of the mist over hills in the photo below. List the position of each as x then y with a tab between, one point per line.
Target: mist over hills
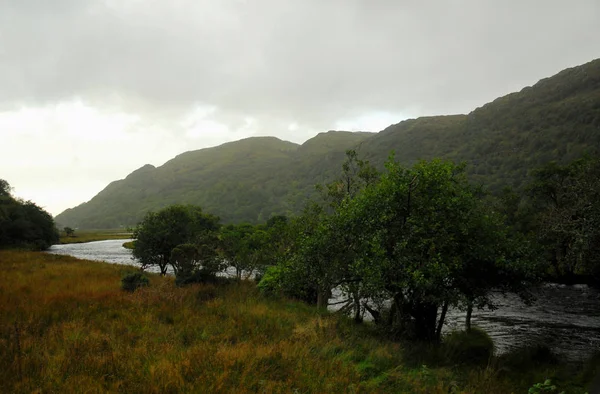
250	180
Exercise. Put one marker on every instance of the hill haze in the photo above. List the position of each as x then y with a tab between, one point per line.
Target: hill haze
250	180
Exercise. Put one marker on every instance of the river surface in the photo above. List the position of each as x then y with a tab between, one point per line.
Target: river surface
566	318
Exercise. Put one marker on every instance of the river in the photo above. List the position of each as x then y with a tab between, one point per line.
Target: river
566	318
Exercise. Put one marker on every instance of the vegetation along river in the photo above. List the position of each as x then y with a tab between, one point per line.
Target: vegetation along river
566	318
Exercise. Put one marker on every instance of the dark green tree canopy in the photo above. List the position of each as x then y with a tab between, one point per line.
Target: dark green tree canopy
23	223
160	232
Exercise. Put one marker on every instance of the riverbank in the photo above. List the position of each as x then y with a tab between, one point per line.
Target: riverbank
84	236
65	326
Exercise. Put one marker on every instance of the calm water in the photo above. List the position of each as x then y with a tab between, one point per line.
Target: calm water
567	318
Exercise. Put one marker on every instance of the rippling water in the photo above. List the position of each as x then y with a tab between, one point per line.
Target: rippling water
566	318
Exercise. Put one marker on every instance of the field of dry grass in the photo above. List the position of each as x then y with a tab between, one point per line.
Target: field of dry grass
66	326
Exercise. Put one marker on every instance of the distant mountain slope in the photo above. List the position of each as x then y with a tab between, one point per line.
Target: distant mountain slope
249	180
556	119
245	180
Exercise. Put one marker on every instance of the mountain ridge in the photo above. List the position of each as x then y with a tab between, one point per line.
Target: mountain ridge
558	118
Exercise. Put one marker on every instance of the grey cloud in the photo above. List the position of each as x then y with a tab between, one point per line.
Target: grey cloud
306	61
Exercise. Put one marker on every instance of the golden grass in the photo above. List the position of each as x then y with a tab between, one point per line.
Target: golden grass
93	235
66	326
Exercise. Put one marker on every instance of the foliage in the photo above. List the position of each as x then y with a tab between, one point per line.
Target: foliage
241	247
545	387
422	237
160	232
129	245
23	223
536	354
197	263
568	219
69	231
133	281
469	347
253	179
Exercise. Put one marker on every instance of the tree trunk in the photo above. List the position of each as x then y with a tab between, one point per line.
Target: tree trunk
357	315
469	314
322	297
395	309
425	315
440	325
376	314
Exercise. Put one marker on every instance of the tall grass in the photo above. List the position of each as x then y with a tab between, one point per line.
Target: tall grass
66	326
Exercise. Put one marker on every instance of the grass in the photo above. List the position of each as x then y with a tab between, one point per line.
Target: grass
93	235
66	326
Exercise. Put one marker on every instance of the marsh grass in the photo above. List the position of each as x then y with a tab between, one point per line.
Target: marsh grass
81	236
66	326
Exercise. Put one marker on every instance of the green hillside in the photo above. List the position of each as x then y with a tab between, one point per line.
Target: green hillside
249	180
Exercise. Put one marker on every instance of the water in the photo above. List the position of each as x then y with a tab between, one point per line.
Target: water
566	318
111	251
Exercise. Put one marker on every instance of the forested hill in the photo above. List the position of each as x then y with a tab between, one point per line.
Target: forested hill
249	180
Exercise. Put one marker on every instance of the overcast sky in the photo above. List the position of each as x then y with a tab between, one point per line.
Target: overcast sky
90	90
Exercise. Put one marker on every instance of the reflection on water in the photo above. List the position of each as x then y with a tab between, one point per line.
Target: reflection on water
567	318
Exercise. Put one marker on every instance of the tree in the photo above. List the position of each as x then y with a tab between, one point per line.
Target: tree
243	248
5	189
326	252
421	238
69	231
23	223
568	221
160	232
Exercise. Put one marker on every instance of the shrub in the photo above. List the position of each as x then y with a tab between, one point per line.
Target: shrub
195	276
271	282
469	347
529	356
545	387
133	280
279	280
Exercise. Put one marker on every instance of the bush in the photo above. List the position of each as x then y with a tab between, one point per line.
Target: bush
195	276
270	283
279	280
529	356
474	347
134	280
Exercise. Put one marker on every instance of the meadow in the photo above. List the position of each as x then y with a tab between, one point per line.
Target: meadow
81	236
66	326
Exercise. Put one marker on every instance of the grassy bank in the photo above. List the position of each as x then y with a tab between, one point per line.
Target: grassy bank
93	235
66	326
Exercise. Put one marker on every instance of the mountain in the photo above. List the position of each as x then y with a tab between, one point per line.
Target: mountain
558	118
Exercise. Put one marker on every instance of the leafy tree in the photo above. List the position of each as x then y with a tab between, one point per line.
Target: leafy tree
291	276
160	232
324	251
23	223
420	238
69	231
243	247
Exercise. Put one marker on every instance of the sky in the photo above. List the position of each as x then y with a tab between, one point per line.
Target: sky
91	90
